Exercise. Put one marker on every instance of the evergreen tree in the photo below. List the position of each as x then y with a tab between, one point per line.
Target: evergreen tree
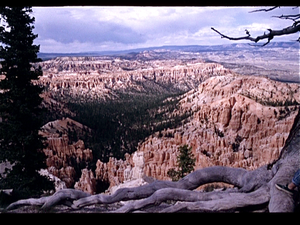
20	105
185	162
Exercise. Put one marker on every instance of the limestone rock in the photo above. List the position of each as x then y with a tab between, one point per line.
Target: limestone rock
87	182
233	123
98	78
63	156
58	183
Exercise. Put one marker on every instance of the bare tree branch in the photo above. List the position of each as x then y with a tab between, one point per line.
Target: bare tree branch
265	10
270	35
292	17
294	28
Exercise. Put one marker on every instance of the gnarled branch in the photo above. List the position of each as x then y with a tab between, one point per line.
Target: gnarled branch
270	35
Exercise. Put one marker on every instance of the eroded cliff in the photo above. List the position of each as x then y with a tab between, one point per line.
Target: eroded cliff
234	120
237	121
97	78
64	157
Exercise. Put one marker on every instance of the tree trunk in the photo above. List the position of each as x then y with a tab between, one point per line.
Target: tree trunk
252	188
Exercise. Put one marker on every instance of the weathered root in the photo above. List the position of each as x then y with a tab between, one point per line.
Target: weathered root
50	201
29	201
124	194
281	201
235	176
286	166
62	195
227	202
241	178
174	194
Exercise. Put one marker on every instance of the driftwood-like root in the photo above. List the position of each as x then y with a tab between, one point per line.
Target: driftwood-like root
60	196
246	180
230	201
29	201
174	194
241	178
281	201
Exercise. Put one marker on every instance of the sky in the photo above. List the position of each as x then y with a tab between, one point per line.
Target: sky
85	29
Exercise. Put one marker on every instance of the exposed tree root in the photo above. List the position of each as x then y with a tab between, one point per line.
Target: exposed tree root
246	180
174	194
61	196
229	201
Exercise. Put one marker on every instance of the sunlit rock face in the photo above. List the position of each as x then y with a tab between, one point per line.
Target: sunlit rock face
236	121
62	154
93	78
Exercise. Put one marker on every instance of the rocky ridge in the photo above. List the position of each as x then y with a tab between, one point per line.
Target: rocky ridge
97	78
234	123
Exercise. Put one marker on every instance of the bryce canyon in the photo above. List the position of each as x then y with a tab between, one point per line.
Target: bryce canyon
234	120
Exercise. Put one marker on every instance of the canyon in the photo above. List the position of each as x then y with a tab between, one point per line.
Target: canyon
91	78
277	60
226	128
233	120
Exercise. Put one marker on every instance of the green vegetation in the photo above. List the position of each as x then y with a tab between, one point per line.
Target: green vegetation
185	162
118	126
20	102
270	102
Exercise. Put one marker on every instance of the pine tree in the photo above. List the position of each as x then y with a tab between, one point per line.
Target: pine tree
20	104
185	162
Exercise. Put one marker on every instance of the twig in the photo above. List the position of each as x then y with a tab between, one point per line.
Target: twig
293	17
265	10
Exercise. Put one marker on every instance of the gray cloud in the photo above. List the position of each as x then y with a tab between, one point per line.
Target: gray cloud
92	32
64	28
113	28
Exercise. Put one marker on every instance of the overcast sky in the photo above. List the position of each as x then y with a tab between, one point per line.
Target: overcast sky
82	29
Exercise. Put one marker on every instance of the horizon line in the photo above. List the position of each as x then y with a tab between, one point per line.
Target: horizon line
163	46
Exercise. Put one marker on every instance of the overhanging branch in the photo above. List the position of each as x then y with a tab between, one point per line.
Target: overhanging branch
265	10
270	35
292	17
